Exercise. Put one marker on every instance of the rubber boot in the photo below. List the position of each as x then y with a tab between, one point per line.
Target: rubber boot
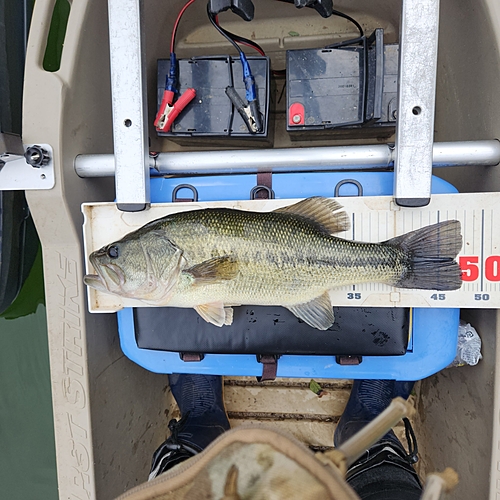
385	471
203	419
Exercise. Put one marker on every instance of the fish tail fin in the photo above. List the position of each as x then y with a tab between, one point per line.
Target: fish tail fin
431	251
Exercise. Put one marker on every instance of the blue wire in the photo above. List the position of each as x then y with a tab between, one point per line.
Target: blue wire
171	80
248	79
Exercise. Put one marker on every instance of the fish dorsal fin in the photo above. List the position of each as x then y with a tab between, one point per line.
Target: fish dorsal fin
215	313
322	211
317	313
214	270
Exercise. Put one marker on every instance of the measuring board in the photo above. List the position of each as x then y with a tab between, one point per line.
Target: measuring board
373	219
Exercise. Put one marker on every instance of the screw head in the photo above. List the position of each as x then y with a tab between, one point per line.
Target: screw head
36	156
296	118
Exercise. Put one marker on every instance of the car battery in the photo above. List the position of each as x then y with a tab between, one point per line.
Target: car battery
211	115
348	90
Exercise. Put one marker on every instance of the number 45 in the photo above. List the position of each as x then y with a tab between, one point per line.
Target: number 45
438	296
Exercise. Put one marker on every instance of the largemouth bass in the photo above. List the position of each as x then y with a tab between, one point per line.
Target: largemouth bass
214	259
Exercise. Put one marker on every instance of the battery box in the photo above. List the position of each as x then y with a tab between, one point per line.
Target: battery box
349	90
211	114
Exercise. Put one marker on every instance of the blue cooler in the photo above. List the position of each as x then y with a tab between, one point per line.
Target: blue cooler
364	343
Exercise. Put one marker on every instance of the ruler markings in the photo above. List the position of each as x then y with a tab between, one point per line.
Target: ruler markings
473	239
354	238
464	227
491	286
491	232
494	247
464	237
482	247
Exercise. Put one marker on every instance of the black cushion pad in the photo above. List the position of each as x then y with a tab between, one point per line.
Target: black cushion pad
274	330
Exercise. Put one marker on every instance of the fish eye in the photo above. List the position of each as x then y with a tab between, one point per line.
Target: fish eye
112	252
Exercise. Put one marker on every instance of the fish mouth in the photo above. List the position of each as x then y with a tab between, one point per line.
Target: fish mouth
108	276
95	281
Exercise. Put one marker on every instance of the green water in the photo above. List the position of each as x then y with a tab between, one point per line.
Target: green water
27	452
27	456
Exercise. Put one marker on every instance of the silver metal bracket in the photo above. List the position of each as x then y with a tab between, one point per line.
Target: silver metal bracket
416	102
128	93
16	174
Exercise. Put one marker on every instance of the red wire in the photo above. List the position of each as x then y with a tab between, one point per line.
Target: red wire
261	52
174	31
241	42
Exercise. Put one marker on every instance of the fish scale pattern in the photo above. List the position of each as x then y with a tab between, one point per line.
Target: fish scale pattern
278	254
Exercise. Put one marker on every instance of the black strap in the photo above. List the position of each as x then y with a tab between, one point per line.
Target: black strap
191	357
349	360
269	367
264	179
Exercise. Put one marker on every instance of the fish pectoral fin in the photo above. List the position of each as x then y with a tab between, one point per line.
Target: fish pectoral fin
215	313
214	270
322	211
228	320
317	313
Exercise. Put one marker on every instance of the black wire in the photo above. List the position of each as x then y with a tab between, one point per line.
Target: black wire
353	41
240	39
349	18
232	37
222	31
340	14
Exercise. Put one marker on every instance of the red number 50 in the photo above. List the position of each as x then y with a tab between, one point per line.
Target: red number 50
470	267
